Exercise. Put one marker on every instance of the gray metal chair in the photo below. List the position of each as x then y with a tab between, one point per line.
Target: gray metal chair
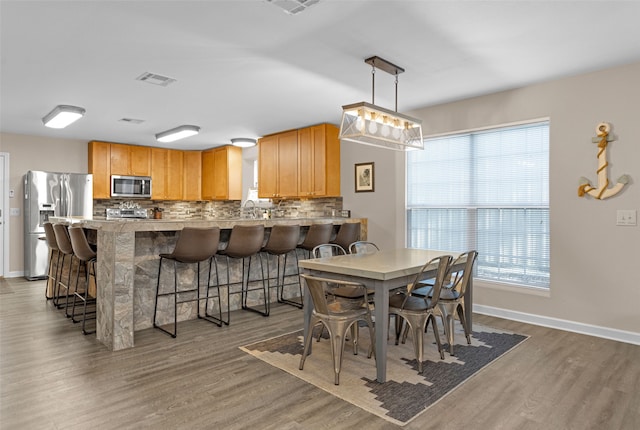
452	293
338	317
363	247
418	311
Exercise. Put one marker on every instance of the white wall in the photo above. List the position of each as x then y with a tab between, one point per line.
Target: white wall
35	153
594	284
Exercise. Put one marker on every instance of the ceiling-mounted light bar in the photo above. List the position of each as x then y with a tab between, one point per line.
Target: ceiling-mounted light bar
243	142
177	133
63	115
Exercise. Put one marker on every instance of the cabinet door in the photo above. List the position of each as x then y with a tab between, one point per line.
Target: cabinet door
234	172
139	160
220	175
174	174
268	167
331	168
100	167
192	175
119	159
312	162
208	191
158	173
288	164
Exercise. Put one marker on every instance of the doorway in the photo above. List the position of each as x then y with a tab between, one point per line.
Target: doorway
4	216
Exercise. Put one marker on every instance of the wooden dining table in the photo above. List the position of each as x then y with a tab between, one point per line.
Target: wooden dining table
381	272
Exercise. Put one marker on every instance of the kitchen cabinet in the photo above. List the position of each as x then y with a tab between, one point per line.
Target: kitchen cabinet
319	161
222	173
100	168
192	175
130	160
278	165
167	174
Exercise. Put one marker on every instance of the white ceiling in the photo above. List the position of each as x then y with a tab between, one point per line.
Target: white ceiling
244	68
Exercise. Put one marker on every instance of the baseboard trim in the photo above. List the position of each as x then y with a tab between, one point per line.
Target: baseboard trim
15	274
572	326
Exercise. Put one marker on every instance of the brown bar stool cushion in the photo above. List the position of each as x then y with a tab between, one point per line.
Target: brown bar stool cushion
348	233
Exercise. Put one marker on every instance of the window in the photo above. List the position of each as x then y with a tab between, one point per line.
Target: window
489	191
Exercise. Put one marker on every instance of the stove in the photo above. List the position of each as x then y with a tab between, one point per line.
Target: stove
127	213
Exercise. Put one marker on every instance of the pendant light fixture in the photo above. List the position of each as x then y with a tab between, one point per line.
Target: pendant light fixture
62	115
369	124
177	133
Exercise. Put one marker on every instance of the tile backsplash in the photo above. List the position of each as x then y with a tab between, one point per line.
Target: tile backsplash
291	208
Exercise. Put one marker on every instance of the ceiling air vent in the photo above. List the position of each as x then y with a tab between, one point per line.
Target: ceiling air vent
293	7
131	120
155	79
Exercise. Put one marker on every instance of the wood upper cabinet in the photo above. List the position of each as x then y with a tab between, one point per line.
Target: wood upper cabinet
319	161
278	165
100	167
222	173
167	174
192	175
130	160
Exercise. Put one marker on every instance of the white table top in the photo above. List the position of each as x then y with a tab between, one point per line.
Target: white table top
382	265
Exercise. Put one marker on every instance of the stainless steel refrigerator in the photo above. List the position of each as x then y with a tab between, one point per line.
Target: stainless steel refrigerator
50	194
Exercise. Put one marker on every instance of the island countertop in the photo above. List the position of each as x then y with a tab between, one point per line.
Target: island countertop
128	261
169	224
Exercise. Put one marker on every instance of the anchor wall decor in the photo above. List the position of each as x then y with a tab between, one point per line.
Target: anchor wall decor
602	191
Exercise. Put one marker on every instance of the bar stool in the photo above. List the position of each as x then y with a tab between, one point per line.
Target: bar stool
64	246
316	235
245	242
194	245
87	257
348	233
52	275
282	240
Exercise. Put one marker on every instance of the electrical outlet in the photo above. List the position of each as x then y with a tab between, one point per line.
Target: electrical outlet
626	217
14	212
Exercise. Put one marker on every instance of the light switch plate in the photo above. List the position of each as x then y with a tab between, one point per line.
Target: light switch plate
626	217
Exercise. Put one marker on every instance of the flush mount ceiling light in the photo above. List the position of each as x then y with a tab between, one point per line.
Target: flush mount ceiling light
372	125
177	133
63	115
243	142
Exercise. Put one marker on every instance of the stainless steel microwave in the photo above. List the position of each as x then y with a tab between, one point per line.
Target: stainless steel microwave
130	186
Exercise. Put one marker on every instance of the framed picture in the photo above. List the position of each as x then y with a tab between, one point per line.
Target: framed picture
364	177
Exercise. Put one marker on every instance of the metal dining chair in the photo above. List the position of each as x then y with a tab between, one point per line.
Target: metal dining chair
337	317
418	311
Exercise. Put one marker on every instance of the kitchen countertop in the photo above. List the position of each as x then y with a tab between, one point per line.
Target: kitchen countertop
168	224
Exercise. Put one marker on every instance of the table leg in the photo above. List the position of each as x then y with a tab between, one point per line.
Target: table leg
381	314
307	309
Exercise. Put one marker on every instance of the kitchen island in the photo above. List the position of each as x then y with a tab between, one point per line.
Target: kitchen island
127	268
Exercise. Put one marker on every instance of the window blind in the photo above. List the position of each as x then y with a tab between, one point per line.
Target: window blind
489	191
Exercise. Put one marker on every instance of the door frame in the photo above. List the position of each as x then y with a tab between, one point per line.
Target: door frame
4	205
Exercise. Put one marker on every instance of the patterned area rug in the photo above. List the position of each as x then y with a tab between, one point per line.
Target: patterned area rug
358	383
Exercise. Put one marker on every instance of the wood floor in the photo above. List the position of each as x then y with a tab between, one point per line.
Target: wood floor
53	377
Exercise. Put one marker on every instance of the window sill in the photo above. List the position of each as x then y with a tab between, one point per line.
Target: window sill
519	289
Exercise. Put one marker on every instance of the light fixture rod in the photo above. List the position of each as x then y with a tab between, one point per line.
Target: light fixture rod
388	67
